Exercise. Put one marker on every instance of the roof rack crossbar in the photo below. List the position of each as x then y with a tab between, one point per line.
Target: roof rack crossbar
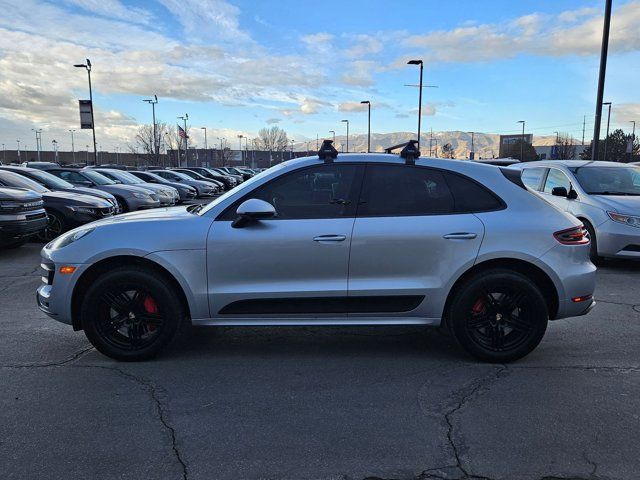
410	152
327	152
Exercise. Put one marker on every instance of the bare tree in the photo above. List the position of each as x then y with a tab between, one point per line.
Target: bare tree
272	139
448	151
565	147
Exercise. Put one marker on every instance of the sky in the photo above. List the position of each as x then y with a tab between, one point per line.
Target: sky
236	66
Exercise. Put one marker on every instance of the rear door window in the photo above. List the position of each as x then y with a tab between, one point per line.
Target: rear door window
556	178
532	177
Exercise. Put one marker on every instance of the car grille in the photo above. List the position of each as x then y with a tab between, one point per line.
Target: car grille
19	207
106	211
36	216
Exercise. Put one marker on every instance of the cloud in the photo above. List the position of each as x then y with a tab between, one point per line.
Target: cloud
271	121
360	74
352	107
625	113
320	43
362	45
402	115
113	9
311	105
534	34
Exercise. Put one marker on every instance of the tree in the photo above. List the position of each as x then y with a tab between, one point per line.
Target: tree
447	151
565	147
272	139
616	144
528	152
143	145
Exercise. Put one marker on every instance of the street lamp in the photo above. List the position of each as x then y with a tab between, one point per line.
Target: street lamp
418	62
521	141
601	76
368	103
606	138
19	157
633	137
292	140
240	137
4	154
73	146
347	122
152	102
87	159
334	136
472	153
206	145
38	140
55	149
87	66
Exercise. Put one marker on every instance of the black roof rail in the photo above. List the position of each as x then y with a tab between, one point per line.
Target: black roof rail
395	147
327	151
410	152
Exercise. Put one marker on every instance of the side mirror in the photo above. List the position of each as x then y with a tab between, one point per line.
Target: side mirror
86	183
252	210
559	192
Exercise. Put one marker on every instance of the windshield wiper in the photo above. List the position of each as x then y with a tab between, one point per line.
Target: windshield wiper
606	192
195	208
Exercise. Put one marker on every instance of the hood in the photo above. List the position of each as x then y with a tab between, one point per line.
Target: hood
629	205
158	188
202	183
95	193
71	198
179	186
154	215
10	194
123	189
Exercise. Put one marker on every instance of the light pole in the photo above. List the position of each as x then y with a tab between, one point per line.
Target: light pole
418	62
206	145
334	136
521	141
38	140
87	66
184	118
73	146
4	153
633	137
292	140
606	138
368	104
472	152
87	159
603	69
347	122
240	137
19	156
55	149
152	102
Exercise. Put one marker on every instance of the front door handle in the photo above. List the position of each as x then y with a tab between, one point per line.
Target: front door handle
460	236
330	238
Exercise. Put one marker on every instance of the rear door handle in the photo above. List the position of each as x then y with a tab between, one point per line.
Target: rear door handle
460	236
330	238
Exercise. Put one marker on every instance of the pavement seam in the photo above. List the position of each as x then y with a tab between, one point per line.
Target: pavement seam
72	358
153	390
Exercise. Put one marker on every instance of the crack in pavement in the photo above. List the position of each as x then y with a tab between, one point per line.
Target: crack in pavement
632	305
72	358
154	393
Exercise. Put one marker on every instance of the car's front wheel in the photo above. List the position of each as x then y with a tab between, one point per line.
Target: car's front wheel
131	313
498	315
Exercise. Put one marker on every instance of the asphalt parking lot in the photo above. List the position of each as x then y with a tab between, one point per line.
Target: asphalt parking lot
319	403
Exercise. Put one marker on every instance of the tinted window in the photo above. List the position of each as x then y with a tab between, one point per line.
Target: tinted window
397	190
556	178
71	177
11	179
323	191
470	196
623	180
532	177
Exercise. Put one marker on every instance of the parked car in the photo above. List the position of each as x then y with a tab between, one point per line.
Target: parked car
65	210
203	189
168	196
359	239
129	197
22	215
236	171
228	181
185	192
56	184
40	165
196	176
238	178
605	196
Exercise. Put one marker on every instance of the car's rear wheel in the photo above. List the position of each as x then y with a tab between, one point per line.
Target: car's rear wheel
131	313
498	316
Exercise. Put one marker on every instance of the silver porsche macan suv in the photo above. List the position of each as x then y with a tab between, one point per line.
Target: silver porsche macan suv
360	239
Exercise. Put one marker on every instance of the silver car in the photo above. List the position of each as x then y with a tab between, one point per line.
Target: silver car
604	196
362	239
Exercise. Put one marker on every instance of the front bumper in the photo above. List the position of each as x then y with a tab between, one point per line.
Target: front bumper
141	204
31	224
53	297
618	240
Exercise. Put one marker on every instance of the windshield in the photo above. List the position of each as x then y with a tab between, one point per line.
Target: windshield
192	175
97	178
11	179
50	181
242	187
622	180
126	177
153	176
179	175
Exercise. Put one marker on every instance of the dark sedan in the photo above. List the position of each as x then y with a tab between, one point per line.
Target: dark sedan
65	210
228	181
185	191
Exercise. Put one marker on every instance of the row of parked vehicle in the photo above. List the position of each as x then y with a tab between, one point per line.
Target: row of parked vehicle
45	199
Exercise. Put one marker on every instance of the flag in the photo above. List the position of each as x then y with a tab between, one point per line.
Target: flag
181	132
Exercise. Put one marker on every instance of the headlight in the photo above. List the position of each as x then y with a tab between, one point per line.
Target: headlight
630	220
144	196
87	210
68	238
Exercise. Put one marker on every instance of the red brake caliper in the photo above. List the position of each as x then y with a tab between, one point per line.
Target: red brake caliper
150	306
478	307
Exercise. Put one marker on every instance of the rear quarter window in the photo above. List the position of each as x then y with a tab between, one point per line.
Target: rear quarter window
470	196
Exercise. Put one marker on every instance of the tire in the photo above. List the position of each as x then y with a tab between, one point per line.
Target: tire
122	205
55	227
131	313
593	248
498	316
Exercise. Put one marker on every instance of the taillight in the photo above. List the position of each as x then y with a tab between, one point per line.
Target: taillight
572	236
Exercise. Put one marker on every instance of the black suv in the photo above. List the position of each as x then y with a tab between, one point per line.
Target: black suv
22	215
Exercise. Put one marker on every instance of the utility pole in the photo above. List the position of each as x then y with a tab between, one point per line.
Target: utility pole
421	63
606	139
368	104
87	66
152	102
522	141
347	122
73	146
633	138
38	132
601	77
206	146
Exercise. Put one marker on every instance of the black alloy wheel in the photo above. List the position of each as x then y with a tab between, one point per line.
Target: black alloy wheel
55	227
499	316
131	313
